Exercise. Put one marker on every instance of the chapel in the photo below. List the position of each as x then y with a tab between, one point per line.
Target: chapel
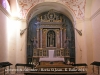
50	34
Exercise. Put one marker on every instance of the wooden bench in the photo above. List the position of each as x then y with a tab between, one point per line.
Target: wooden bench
95	63
3	66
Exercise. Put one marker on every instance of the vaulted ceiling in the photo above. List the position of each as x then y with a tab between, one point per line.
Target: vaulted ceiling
74	9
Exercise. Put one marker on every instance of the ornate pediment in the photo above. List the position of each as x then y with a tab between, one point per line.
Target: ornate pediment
50	17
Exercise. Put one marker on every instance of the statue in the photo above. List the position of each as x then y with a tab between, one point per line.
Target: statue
45	17
68	62
51	16
34	40
67	43
57	17
51	39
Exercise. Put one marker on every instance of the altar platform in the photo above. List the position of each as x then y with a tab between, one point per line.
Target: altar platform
56	70
55	66
55	73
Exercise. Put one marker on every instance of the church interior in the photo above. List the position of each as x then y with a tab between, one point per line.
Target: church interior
50	37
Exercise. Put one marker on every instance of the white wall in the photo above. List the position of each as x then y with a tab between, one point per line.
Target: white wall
3	37
12	27
95	18
16	43
88	35
21	41
81	51
12	45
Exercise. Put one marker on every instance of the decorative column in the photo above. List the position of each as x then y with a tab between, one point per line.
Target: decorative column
64	38
41	38
53	40
61	36
57	38
37	38
47	41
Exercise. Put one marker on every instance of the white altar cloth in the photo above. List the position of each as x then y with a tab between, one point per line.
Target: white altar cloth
51	57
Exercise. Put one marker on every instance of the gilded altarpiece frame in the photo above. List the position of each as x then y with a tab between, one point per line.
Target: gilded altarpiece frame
57	37
40	25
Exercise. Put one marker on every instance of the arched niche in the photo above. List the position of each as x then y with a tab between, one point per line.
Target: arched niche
51	39
46	6
62	29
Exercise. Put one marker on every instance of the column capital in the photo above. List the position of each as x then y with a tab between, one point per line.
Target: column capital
37	29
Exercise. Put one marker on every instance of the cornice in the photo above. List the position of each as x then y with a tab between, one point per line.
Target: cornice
19	19
8	15
95	14
4	11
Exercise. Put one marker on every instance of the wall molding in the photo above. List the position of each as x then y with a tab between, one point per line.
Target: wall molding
9	15
95	14
4	11
92	16
19	19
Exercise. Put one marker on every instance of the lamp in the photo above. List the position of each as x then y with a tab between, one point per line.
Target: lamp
79	31
22	31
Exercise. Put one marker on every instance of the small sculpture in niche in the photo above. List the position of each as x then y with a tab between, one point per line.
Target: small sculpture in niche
51	16
67	43
51	39
34	40
45	17
68	61
57	17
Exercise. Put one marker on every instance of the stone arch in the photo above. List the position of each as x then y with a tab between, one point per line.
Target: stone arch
45	6
64	26
39	9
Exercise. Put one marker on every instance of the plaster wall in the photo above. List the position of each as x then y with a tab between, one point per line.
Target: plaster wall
13	7
3	37
16	42
95	18
21	43
81	51
88	35
11	41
